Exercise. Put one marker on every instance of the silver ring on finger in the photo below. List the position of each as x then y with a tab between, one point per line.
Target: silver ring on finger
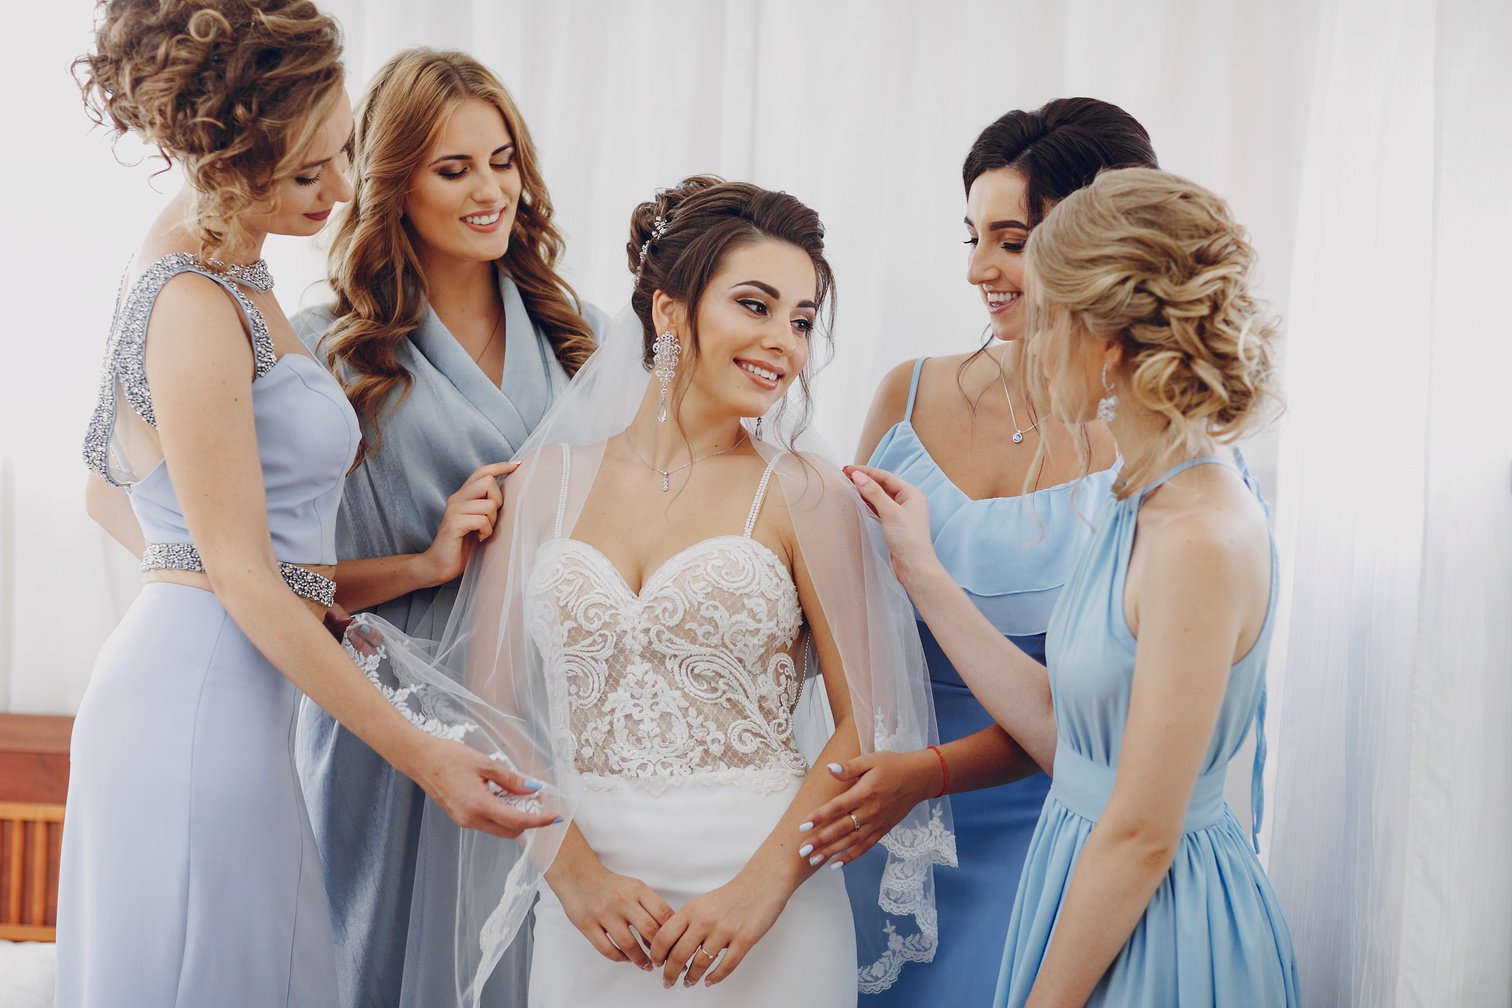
856	821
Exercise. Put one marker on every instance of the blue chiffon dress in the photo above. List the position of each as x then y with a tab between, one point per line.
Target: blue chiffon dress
1213	934
190	875
1012	555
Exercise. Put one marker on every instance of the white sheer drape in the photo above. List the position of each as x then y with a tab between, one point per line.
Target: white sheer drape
1392	804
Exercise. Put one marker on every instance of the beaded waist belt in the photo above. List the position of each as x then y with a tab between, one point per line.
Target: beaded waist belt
184	557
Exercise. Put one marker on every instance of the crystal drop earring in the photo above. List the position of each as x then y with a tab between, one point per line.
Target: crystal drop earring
758	429
665	355
1107	406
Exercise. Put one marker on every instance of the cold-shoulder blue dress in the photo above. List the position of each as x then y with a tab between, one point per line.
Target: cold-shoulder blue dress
1213	935
1012	555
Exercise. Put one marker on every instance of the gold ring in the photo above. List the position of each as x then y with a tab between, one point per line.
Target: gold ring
705	952
856	821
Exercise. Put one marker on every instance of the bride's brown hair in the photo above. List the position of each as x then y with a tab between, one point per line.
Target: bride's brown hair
705	219
375	271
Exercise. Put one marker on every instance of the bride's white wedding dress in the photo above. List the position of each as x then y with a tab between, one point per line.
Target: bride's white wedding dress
677	711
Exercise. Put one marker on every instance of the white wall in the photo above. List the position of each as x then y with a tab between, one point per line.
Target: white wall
862	109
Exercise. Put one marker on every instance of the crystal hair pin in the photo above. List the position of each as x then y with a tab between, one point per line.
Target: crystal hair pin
658	228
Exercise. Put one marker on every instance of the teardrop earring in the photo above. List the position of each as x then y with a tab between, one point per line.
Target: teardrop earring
665	355
1107	406
758	429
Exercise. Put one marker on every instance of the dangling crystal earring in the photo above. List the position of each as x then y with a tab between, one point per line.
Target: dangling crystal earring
1107	406
758	428
665	355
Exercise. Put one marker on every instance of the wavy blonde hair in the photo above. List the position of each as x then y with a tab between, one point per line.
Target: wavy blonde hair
226	88
1158	265
375	271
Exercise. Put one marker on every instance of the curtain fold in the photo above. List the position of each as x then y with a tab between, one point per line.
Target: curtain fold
1392	799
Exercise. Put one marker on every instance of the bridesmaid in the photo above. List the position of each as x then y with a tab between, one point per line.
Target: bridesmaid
1140	887
1008	521
452	332
189	867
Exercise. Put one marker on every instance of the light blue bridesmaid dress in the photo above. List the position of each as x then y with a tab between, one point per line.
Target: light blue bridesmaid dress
1213	934
390	852
1012	555
190	875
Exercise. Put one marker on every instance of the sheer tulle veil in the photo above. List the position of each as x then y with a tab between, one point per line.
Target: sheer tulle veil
485	683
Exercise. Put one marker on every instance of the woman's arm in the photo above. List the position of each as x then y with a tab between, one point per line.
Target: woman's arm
111	509
887	408
1010	685
1190	619
469	519
734	917
885	786
199	365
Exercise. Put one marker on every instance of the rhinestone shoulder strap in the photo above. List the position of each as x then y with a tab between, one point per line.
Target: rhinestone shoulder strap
125	349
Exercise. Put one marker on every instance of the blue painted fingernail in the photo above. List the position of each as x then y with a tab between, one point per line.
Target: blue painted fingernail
805	827
833	767
806	850
836	864
815	860
558	820
532	784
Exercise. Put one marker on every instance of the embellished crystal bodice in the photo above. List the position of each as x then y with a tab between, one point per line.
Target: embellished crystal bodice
306	431
691	678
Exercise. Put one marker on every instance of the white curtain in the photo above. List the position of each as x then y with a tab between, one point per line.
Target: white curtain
1392	799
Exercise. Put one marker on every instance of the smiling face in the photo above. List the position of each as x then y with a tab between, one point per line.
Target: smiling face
755	319
303	199
997	216
462	198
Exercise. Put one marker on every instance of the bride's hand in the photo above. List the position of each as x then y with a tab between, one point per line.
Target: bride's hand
611	910
469	519
884	787
457	778
903	512
728	920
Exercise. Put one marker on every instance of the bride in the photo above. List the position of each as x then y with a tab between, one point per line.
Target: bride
685	613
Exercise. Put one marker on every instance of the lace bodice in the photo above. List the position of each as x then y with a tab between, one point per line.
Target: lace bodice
691	677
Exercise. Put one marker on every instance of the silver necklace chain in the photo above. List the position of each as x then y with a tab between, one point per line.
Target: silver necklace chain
666	474
1018	432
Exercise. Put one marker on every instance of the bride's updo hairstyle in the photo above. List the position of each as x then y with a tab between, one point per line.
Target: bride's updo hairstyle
1159	265
227	88
705	219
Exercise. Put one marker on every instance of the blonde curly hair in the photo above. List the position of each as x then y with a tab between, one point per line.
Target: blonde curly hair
1158	265
226	88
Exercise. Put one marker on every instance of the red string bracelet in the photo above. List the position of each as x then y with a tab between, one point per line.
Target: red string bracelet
944	772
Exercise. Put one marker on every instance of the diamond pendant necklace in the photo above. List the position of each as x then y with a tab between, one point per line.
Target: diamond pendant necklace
666	474
1018	432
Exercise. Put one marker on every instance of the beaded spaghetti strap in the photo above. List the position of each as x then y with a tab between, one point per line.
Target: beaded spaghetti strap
761	489
562	494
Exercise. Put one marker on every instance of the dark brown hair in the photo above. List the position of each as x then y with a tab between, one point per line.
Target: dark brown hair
1059	148
706	219
375	271
227	88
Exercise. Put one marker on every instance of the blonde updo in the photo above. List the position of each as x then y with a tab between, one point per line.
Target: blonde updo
1158	264
227	88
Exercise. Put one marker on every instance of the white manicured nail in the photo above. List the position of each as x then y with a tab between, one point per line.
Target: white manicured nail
815	861
806	850
836	864
805	827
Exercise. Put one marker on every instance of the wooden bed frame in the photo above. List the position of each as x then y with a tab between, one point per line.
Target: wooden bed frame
33	786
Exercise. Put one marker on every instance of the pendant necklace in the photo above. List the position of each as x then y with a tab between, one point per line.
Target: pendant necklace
666	474
1018	432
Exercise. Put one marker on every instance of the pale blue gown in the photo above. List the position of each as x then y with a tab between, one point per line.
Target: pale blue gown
190	876
1011	555
1213	935
389	852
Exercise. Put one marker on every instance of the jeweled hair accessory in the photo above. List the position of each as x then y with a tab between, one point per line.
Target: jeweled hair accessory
658	228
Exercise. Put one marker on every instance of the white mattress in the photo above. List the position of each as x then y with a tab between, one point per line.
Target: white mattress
26	974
